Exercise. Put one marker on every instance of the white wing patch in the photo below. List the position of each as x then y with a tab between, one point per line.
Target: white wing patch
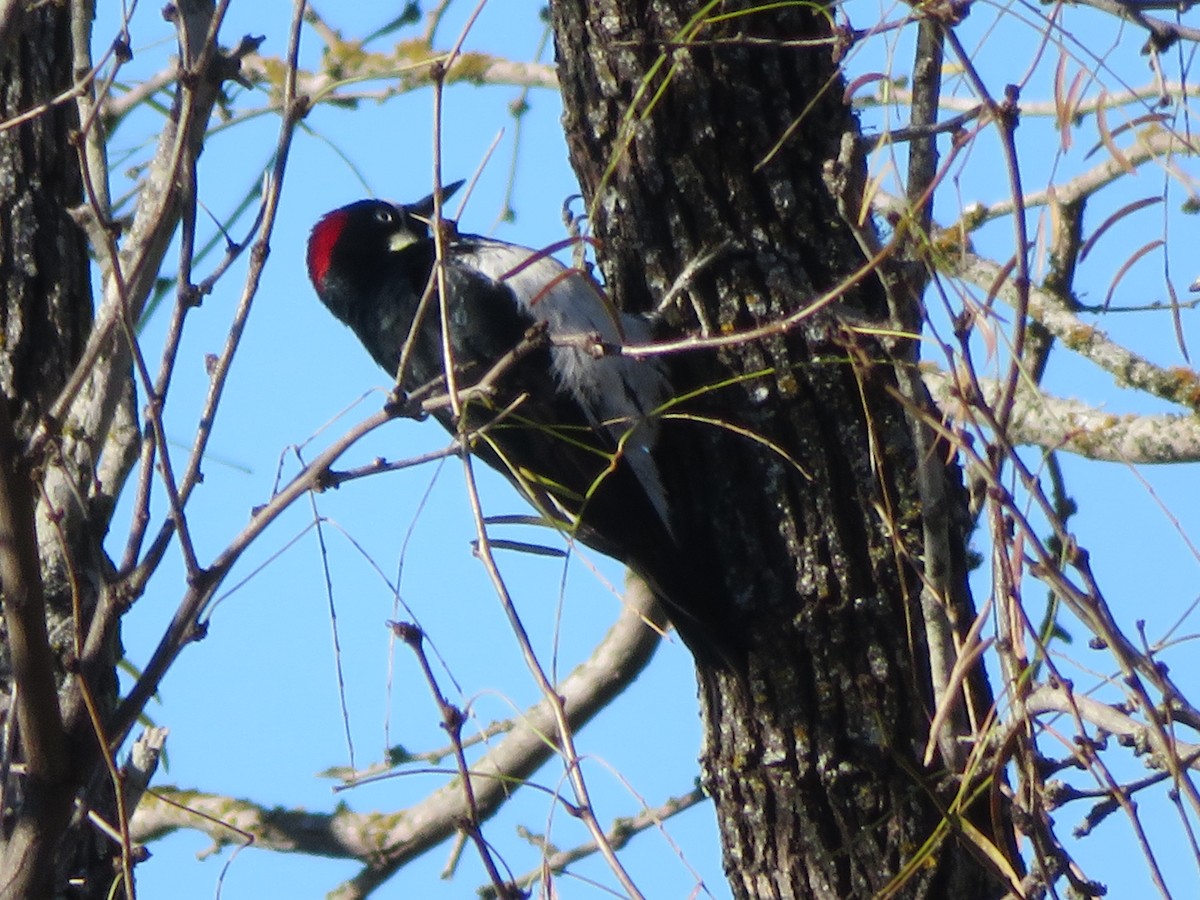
617	393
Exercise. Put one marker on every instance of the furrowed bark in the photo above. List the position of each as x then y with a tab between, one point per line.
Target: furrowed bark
791	474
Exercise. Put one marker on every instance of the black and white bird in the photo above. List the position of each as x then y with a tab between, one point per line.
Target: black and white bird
574	429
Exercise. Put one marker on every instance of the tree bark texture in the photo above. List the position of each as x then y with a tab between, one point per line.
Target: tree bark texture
43	253
791	472
45	318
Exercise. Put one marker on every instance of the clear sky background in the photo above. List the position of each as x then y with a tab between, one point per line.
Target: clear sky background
255	711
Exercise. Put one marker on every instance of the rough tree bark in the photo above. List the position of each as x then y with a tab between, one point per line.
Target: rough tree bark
51	520
814	752
815	746
69	436
46	314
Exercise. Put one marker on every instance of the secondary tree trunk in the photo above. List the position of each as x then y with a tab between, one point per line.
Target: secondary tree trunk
692	138
45	317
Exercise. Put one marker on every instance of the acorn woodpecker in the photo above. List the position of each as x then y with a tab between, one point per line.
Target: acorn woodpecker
567	419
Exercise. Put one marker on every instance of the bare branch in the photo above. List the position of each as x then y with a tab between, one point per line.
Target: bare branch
1105	716
88	397
27	854
1151	94
1056	423
1163	33
389	840
1149	146
1180	386
618	836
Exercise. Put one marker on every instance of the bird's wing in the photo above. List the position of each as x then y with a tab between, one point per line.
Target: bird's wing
619	395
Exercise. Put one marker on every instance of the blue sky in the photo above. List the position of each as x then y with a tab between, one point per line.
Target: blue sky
254	710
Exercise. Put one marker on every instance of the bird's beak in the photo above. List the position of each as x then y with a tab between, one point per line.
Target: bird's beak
400	240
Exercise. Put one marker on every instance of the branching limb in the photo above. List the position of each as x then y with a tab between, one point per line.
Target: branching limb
1180	386
84	409
1105	716
387	841
185	626
1056	423
1146	95
453	719
27	854
618	836
1163	33
261	231
1150	145
141	764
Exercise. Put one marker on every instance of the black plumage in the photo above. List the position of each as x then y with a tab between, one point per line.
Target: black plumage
577	429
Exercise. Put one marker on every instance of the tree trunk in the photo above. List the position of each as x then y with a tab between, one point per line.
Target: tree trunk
45	317
791	474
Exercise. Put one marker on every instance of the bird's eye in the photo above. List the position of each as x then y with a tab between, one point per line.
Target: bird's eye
385	216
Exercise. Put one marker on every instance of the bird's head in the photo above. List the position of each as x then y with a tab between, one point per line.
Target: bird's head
350	242
351	249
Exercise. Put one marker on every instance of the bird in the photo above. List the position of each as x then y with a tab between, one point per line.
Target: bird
568	419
